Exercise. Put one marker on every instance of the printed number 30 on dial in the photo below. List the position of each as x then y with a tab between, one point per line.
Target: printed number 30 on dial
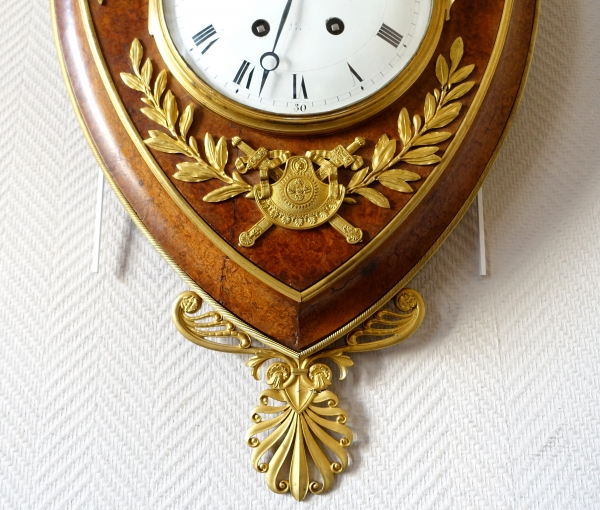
295	57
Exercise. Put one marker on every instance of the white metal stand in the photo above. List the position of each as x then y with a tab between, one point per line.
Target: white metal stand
482	252
98	224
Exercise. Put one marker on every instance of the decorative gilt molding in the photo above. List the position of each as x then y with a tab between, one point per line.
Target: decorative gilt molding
300	199
304	430
309	413
199	328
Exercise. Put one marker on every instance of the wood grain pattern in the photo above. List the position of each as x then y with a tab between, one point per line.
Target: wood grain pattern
299	259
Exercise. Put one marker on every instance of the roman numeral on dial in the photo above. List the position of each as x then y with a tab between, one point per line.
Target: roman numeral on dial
389	35
239	77
299	88
203	36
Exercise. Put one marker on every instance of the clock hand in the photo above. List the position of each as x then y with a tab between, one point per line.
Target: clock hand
264	80
269	62
284	16
271	65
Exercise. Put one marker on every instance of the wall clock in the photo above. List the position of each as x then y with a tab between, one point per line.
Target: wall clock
296	164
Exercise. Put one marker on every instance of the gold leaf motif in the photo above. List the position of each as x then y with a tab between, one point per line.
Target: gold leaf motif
461	75
439	111
395	184
381	143
257	361
147	72
193	145
432	138
221	154
343	362
135	55
225	193
456	54
421	152
166	114
170	106
405	175
404	128
194	172
445	116
160	84
358	177
374	196
156	116
133	82
459	91
165	137
240	180
441	71
430	106
382	157
186	120
417	122
211	150
424	161
383	140
163	144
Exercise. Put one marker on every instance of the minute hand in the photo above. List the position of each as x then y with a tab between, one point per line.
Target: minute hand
267	71
284	16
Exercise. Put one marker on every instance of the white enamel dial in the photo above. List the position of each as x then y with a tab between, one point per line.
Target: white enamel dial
297	57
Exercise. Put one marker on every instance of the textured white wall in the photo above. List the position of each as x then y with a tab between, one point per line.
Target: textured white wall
492	404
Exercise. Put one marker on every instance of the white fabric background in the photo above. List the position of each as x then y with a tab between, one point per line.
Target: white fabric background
494	403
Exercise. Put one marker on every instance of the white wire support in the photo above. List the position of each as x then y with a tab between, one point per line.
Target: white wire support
98	223
482	251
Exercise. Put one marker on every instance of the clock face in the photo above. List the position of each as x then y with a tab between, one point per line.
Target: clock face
297	57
